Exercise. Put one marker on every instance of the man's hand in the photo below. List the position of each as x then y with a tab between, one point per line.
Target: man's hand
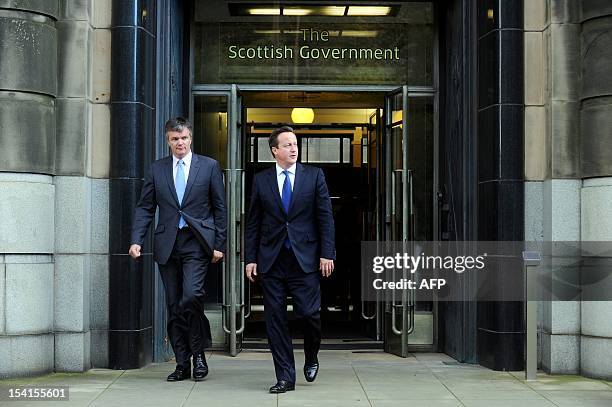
251	271
326	266
135	251
217	255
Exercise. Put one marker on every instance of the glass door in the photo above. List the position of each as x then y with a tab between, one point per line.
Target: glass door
372	221
233	287
398	307
219	133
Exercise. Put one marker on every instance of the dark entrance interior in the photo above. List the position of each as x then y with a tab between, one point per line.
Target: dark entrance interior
337	140
378	152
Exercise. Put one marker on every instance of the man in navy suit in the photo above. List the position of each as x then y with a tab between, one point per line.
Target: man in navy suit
191	232
289	244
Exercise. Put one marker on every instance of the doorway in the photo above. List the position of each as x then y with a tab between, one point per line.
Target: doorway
377	150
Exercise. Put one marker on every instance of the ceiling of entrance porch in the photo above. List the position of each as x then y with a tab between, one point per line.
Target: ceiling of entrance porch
314	99
321	116
410	12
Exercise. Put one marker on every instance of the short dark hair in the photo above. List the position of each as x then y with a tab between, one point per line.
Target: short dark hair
273	139
177	124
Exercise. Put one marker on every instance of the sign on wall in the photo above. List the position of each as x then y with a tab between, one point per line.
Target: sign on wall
314	53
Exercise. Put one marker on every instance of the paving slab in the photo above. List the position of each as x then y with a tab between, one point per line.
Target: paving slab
346	378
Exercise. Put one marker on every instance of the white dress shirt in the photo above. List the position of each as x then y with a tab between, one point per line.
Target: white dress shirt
187	161
280	177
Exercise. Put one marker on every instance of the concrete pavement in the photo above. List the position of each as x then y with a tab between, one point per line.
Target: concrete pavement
346	378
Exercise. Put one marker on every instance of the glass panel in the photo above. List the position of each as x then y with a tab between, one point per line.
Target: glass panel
264	155
421	158
346	150
210	127
210	138
364	150
323	150
301	47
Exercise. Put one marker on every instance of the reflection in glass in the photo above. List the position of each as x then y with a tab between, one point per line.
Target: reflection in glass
210	135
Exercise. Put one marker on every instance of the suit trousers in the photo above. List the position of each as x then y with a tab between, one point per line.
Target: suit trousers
287	278
183	276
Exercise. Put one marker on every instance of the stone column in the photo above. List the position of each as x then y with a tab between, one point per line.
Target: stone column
596	193
561	194
133	120
500	168
28	73
81	181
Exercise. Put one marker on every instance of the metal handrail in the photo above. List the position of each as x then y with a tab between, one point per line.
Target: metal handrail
394	305
224	305
412	301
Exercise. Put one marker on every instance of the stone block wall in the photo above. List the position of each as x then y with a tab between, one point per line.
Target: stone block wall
567	120
54	165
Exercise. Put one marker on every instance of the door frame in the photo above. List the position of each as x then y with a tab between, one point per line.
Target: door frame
231	91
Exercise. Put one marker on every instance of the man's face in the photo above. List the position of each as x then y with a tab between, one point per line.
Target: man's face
286	153
179	142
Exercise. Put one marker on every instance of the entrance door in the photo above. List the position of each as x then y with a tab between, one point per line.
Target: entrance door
219	133
233	274
398	307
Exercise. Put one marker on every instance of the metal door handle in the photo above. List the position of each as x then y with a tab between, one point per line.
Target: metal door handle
224	305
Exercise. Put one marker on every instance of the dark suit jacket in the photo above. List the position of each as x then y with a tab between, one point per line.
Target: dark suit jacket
203	206
309	223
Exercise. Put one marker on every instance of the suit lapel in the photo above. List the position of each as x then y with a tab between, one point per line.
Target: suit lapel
273	184
298	182
193	173
170	179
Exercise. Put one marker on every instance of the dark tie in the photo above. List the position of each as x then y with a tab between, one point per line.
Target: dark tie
286	198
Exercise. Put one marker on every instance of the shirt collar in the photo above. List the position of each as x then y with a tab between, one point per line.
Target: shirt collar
279	170
186	160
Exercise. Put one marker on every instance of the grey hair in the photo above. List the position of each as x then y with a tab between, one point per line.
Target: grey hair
177	124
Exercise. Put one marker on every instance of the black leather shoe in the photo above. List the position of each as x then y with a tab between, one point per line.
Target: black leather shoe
200	368
282	386
179	374
310	371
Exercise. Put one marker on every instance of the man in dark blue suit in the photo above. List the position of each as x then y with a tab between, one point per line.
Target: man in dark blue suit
289	244
191	232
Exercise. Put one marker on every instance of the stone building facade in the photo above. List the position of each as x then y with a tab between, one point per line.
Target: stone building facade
60	164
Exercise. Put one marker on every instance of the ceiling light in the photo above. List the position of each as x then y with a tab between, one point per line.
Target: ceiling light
368	11
264	11
296	11
348	33
333	10
266	31
302	115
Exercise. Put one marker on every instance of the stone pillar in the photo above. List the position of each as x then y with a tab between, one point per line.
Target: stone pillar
596	149
133	120
28	73
500	168
81	181
98	168
575	336
552	161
